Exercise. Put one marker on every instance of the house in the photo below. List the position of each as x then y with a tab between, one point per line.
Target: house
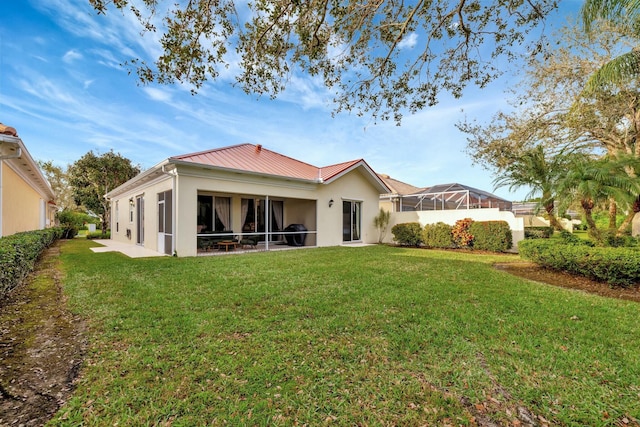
245	193
27	201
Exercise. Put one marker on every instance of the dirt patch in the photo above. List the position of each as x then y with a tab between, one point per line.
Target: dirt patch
537	273
41	347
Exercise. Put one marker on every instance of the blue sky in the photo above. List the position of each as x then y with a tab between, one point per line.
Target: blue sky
63	89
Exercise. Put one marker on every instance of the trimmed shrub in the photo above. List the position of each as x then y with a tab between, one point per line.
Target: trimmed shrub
408	233
538	232
461	235
98	235
19	253
615	266
438	236
492	236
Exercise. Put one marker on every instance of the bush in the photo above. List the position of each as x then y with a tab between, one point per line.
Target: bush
538	232
569	238
438	236
580	227
19	253
461	235
611	239
492	236
72	222
409	233
98	235
615	266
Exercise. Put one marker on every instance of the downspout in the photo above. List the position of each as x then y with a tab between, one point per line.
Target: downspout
15	155
174	174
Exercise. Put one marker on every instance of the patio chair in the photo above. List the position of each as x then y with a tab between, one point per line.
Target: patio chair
249	241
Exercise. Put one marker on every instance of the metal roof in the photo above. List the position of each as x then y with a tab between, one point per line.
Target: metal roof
252	158
255	159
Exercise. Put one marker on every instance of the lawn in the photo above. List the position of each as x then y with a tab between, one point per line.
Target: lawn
344	336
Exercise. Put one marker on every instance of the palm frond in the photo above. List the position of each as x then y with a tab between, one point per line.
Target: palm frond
616	11
622	69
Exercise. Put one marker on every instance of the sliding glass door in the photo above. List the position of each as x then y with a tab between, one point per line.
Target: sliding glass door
351	220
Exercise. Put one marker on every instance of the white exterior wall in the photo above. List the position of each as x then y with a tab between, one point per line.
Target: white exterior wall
451	216
354	187
149	192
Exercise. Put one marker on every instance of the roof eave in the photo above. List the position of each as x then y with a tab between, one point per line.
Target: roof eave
42	182
382	187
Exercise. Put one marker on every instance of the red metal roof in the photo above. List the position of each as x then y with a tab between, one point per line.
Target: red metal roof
257	159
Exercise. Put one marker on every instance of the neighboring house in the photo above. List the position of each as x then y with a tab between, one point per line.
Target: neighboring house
446	203
438	197
27	201
245	192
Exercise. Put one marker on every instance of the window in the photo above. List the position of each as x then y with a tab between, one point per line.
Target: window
214	214
351	220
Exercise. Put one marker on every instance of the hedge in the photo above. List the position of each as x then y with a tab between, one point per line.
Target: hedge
538	232
19	253
98	235
492	236
408	233
438	235
615	266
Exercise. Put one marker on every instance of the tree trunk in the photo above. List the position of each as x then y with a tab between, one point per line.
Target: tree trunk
613	213
553	221
587	206
627	220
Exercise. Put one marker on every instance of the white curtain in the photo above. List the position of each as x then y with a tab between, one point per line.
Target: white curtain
277	208
223	210
244	211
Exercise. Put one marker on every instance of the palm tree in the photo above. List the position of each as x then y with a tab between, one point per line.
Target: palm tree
623	14
592	182
538	171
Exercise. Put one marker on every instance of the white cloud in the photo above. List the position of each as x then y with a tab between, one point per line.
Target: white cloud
409	41
157	94
71	56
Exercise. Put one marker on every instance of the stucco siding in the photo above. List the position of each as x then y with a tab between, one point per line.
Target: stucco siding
21	204
124	216
351	187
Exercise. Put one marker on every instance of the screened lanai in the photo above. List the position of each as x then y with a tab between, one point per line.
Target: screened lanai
446	197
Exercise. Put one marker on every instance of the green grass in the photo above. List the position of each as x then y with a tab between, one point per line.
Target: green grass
343	336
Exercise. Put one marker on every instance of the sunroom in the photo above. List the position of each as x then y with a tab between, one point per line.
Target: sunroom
248	221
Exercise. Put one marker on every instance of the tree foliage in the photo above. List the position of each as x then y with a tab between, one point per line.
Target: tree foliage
624	14
92	176
380	57
596	181
539	172
554	119
59	180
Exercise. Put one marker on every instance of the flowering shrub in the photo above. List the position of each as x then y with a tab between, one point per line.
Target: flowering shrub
461	235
